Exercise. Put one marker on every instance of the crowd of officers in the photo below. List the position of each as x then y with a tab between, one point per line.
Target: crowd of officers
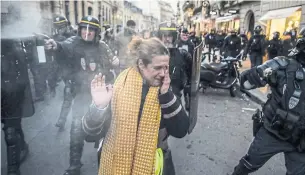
106	53
256	46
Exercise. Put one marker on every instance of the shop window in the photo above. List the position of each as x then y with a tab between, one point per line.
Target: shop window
283	24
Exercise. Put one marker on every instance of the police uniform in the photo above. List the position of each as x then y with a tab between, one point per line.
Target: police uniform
180	63
275	46
211	42
16	99
61	33
89	58
280	127
188	45
256	47
232	45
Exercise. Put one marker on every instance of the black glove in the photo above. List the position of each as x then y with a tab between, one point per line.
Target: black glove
253	78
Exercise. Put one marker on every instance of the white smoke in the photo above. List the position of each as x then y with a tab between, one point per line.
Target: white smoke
32	19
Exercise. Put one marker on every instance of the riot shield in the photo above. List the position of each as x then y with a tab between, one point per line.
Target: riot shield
195	86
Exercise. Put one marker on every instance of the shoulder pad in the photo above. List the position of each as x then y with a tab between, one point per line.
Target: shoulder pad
281	60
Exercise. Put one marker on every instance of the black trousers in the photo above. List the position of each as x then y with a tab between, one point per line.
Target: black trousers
14	138
265	146
256	59
77	135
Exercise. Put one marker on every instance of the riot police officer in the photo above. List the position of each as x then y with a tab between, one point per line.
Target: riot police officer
211	42
280	127
194	39
256	47
288	43
16	100
185	43
61	28
220	38
61	33
275	46
180	63
109	39
90	57
232	44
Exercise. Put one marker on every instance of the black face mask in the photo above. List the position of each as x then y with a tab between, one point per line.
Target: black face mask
257	32
276	36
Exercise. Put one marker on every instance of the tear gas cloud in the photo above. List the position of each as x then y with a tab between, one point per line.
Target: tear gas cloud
23	19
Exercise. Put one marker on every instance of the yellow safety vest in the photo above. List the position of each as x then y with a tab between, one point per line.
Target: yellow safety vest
159	162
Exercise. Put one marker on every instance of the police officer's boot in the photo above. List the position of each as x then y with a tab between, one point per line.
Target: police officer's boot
23	146
76	147
240	169
13	151
24	152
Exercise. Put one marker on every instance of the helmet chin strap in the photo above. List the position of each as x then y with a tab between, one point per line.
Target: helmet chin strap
87	32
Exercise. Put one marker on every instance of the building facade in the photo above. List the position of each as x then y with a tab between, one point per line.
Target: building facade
166	11
244	15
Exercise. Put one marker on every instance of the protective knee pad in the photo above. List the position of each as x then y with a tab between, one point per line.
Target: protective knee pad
11	136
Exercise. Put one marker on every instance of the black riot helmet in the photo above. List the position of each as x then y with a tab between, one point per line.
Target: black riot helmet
257	30
168	34
276	35
90	23
60	24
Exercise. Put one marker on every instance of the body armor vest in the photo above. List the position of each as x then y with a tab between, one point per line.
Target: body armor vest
286	104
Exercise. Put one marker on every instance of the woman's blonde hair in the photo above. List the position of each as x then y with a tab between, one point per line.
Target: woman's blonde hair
145	49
